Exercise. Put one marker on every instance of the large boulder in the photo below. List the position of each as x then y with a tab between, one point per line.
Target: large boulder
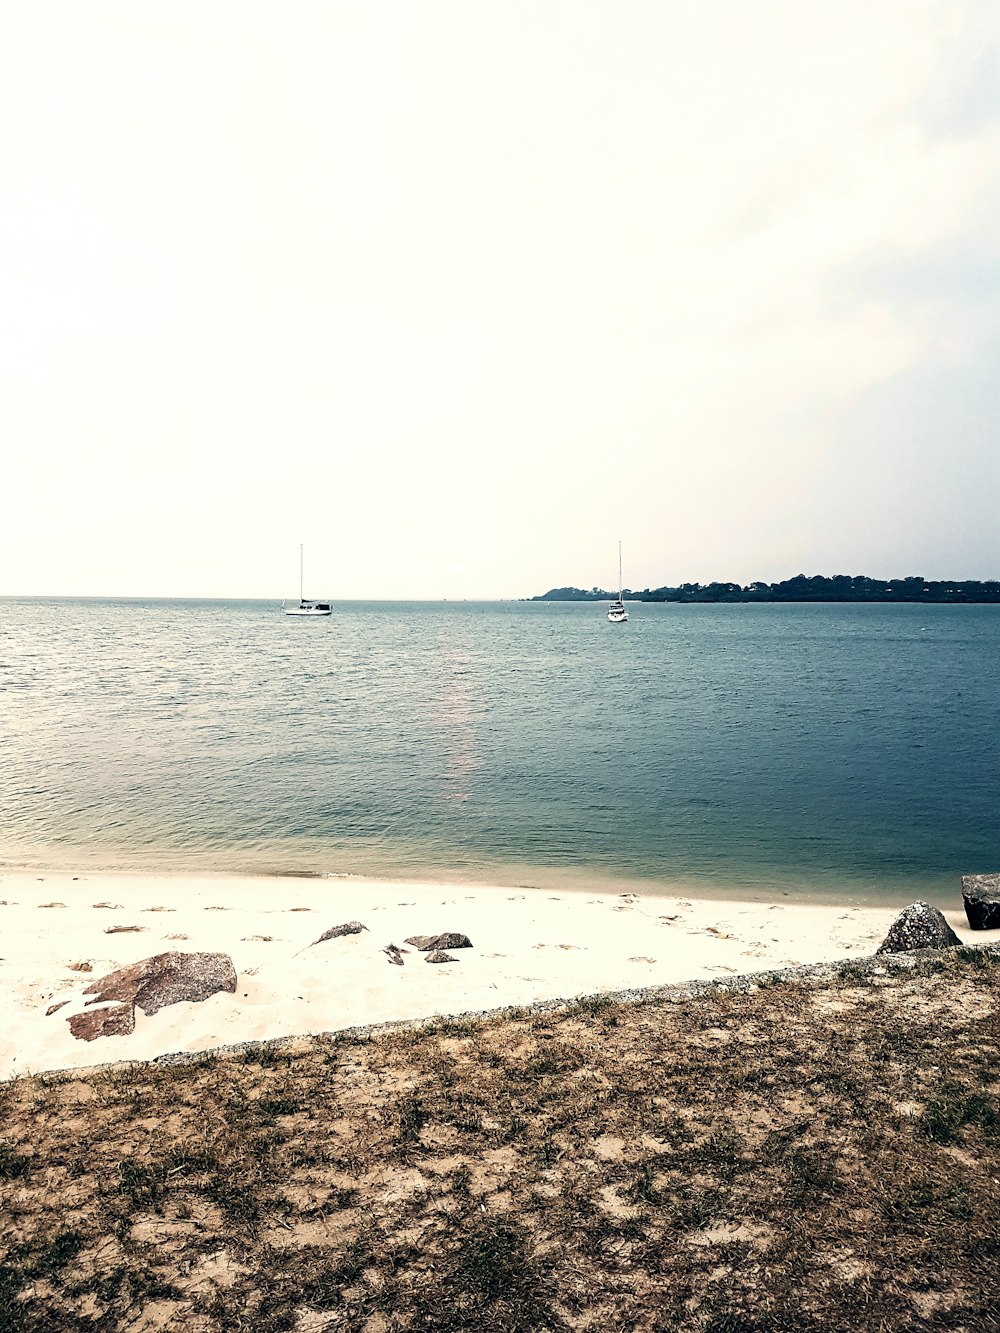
449	940
152	984
981	895
167	978
918	926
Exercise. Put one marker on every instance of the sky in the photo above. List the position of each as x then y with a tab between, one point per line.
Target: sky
460	295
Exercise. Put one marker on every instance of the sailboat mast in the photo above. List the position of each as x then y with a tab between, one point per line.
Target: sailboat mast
301	572
619	571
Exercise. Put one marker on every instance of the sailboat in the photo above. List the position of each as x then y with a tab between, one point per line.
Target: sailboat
616	611
306	607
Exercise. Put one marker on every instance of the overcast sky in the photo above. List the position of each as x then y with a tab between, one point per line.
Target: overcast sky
459	294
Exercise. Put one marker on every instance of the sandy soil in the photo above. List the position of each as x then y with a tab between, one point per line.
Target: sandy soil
59	932
820	1155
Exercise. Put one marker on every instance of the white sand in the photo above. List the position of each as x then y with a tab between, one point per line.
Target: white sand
529	945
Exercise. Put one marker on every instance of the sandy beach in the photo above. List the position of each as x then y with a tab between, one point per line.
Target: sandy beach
59	932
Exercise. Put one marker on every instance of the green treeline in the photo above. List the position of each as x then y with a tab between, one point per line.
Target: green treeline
839	588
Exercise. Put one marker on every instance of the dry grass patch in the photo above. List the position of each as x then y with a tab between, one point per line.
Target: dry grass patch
805	1157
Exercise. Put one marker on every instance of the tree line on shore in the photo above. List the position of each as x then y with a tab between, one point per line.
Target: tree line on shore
801	588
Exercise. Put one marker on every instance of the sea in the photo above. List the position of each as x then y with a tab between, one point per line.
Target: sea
827	752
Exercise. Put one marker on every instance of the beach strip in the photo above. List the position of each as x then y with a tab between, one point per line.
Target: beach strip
59	932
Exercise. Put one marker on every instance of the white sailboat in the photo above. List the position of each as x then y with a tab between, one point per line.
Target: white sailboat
616	611
306	607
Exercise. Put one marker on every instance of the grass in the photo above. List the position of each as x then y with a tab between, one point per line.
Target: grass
806	1157
410	1118
496	1283
953	1108
14	1165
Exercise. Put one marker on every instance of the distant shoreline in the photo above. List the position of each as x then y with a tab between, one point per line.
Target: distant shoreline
817	588
800	589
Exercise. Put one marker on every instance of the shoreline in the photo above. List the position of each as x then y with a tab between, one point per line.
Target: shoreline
61	931
831	889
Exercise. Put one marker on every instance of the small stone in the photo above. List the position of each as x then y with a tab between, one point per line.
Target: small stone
394	953
439	956
918	926
449	940
981	895
335	932
116	1020
54	1007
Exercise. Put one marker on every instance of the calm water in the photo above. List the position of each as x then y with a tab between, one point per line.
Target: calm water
843	749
